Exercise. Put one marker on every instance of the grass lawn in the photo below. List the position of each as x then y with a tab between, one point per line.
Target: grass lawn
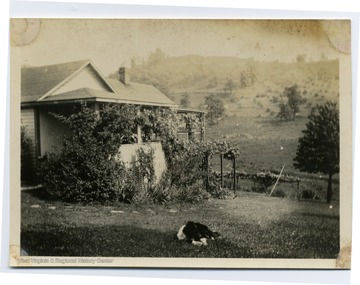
252	225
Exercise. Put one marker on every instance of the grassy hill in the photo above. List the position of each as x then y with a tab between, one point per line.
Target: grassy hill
255	87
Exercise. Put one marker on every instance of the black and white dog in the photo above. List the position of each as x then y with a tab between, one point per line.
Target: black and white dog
196	233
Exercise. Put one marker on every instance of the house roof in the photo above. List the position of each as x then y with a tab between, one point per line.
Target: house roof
38	83
97	95
81	93
139	93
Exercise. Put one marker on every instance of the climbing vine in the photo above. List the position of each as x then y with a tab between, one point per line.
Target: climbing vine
88	167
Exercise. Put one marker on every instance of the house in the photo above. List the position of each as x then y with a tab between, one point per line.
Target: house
56	88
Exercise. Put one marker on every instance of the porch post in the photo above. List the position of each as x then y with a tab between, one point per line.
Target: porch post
222	171
207	172
138	129
139	139
234	165
203	127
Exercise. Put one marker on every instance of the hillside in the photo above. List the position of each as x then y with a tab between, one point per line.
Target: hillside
248	88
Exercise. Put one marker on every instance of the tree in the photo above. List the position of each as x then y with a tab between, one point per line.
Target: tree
156	57
185	100
229	86
285	112
215	109
288	111
318	149
301	58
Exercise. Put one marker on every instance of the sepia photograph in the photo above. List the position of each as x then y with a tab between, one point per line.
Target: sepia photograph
181	143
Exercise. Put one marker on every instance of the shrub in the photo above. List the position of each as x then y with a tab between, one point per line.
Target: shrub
129	190
87	168
257	188
285	112
69	177
194	193
164	192
309	194
220	192
188	170
161	193
144	167
263	180
275	99
279	193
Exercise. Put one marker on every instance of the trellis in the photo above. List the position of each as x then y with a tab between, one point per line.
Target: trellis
230	156
225	151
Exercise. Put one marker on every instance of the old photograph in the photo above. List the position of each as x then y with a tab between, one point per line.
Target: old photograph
181	143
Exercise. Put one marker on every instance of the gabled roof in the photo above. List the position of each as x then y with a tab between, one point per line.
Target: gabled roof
38	84
40	81
37	81
139	93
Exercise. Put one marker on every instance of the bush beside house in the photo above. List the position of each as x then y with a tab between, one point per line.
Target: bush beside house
88	167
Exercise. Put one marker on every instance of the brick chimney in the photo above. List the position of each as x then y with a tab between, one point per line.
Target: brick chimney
124	76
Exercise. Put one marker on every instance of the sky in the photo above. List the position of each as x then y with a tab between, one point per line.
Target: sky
112	43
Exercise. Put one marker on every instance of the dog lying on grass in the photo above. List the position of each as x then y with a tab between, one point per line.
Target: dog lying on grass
196	233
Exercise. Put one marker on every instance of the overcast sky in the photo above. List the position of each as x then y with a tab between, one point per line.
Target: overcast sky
111	43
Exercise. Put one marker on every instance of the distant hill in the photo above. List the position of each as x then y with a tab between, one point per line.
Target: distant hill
248	88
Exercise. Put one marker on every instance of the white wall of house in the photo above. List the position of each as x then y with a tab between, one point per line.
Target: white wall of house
51	131
28	121
128	156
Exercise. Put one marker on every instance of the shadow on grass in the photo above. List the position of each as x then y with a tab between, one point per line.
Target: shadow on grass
120	241
321	216
41	194
306	233
132	241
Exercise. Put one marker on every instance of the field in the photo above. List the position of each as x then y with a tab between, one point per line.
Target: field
252	225
264	144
